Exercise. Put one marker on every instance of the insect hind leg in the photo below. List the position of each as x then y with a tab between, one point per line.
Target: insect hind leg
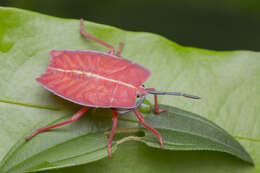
119	50
87	35
74	118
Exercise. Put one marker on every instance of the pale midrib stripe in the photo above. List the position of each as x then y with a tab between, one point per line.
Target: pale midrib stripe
88	74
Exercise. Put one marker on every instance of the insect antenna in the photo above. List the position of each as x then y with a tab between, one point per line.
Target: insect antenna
172	93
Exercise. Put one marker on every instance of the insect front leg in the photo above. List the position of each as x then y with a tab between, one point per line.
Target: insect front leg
74	118
156	107
141	101
141	119
114	118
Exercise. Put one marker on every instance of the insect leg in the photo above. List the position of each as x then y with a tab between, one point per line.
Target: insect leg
141	119
136	107
156	107
74	118
114	118
121	46
87	35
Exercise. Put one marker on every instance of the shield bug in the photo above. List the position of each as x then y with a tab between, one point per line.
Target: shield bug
101	80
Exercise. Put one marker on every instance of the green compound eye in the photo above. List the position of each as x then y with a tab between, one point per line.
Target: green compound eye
146	107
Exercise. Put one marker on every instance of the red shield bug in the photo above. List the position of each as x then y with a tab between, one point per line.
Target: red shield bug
101	80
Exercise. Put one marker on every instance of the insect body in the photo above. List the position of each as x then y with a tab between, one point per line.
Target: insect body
96	79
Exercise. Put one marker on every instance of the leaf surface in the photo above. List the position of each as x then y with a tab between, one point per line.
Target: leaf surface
228	83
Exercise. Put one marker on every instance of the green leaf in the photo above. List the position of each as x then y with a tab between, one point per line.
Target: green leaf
136	157
228	83
186	131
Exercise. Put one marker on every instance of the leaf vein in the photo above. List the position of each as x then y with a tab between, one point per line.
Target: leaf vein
29	105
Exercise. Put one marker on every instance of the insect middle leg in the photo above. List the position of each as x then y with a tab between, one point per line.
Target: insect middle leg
114	118
74	118
141	119
156	107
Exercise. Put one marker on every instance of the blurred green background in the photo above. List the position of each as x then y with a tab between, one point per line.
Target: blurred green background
211	24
